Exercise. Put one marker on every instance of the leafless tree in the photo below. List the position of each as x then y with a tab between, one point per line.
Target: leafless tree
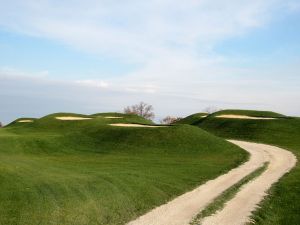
169	120
210	109
142	109
0	124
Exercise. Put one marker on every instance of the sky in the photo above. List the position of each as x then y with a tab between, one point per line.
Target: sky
102	55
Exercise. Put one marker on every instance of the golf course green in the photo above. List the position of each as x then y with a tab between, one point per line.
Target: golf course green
74	169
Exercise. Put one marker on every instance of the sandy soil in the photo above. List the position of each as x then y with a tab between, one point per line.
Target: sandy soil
72	118
246	200
133	125
114	117
25	121
182	209
244	117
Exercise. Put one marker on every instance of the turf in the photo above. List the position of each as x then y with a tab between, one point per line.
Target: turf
88	172
282	205
191	119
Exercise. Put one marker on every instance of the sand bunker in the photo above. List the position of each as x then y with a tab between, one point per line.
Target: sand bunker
231	116
114	117
132	125
25	121
72	118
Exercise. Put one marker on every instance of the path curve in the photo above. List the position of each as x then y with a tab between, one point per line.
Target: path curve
182	209
238	210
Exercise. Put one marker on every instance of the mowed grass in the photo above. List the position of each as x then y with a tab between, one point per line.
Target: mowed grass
192	118
282	206
88	172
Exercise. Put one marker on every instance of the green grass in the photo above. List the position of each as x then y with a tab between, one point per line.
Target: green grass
282	205
191	119
86	172
227	195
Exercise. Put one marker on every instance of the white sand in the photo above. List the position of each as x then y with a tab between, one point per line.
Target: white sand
25	121
114	117
72	118
184	208
133	125
231	116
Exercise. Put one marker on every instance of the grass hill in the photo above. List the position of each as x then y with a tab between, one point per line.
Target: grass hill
281	207
192	118
253	113
85	172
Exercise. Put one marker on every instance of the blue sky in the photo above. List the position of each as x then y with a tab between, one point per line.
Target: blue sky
281	36
38	54
91	56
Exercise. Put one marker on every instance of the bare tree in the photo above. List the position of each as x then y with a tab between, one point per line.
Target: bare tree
169	120
0	124
142	109
210	109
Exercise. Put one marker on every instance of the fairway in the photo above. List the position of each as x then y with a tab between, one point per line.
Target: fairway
87	172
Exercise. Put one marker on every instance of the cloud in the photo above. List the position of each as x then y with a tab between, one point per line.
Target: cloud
12	72
137	31
167	39
93	83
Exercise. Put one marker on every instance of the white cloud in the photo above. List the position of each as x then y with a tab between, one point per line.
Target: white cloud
13	72
137	31
93	83
169	39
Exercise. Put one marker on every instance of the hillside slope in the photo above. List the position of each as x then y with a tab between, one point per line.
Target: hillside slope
60	171
192	118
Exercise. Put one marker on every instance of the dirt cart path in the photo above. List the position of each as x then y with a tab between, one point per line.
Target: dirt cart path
238	210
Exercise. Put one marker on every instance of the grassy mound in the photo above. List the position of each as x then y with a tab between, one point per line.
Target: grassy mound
194	118
281	207
88	172
18	122
252	113
51	123
197	118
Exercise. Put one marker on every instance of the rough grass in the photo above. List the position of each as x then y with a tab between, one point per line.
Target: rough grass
191	119
281	206
87	172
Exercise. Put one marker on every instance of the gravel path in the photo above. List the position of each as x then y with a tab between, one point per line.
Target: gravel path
238	210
